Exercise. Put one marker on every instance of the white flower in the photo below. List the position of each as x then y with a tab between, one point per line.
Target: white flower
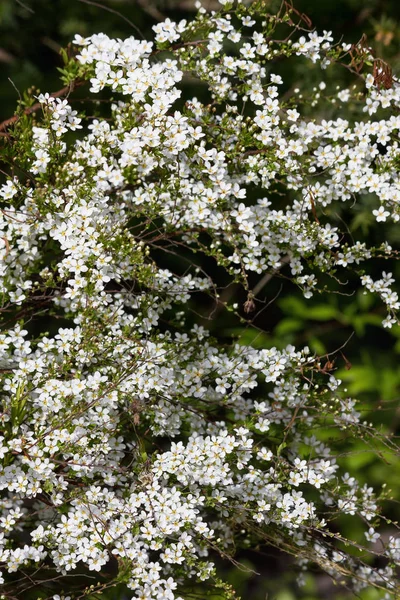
381	214
371	535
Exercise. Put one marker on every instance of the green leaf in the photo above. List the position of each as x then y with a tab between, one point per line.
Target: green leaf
288	326
359	379
293	306
323	312
280	448
317	346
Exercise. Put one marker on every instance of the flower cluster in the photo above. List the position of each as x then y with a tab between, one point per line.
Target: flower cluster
132	439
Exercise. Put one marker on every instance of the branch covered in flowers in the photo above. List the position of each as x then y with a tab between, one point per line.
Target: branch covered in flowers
136	447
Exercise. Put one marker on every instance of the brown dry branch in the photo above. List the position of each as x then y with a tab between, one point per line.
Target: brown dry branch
31	109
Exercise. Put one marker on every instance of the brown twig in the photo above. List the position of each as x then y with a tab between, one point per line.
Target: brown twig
31	109
268	276
151	10
114	12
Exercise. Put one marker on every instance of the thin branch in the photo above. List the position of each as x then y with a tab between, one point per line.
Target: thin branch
114	12
268	276
28	8
151	10
28	111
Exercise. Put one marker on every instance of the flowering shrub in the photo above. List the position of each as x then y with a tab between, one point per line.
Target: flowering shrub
136	447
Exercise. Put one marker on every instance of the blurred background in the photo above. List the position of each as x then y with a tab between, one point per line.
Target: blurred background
31	35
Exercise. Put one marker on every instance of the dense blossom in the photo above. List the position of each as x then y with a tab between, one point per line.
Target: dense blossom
129	434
